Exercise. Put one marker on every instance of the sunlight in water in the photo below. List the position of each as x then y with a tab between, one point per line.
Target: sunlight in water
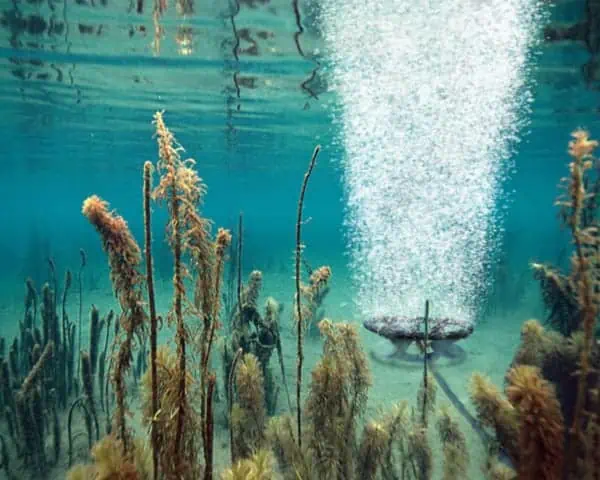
432	95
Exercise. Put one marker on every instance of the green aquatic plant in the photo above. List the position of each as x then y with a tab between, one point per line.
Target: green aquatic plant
312	296
258	334
454	444
82	265
248	415
394	446
35	378
372	448
29	411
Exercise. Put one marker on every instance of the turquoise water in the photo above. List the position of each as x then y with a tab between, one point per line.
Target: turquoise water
91	97
245	87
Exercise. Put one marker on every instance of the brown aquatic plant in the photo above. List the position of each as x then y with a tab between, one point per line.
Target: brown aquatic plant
189	234
109	462
181	191
528	422
248	416
148	168
584	260
124	257
164	422
541	428
313	294
454	444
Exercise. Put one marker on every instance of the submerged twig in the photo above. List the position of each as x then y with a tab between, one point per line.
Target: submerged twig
298	297
80	315
209	425
80	402
425	373
230	381
240	246
282	366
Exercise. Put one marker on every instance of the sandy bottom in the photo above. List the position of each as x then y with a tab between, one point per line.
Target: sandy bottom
489	350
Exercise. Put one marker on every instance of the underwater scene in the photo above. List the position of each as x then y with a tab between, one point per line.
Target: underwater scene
300	239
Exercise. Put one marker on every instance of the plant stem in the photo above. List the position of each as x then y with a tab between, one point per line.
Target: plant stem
152	306
300	353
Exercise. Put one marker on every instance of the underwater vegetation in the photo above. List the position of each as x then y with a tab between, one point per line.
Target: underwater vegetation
117	405
547	421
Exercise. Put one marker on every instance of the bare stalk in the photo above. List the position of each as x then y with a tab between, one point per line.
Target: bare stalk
300	353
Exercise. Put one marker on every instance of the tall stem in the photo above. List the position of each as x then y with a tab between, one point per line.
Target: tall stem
178	285
240	246
152	307
425	365
80	313
300	353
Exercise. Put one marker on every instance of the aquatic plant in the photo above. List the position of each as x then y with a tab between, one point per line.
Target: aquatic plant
124	259
182	189
87	380
298	306
83	263
36	377
586	248
29	410
230	299
548	422
529	423
454	443
312	296
163	421
579	212
110	463
147	189
248	416
258	467
173	186
541	427
394	446
259	334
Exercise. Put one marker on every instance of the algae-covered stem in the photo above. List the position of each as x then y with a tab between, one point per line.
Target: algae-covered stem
80	313
223	242
240	246
581	150
425	373
300	359
230	381
152	306
179	289
208	469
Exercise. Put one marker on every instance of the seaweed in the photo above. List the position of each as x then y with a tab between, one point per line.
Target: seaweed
547	423
124	259
189	234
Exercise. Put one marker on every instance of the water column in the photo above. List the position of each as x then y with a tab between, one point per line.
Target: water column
432	95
